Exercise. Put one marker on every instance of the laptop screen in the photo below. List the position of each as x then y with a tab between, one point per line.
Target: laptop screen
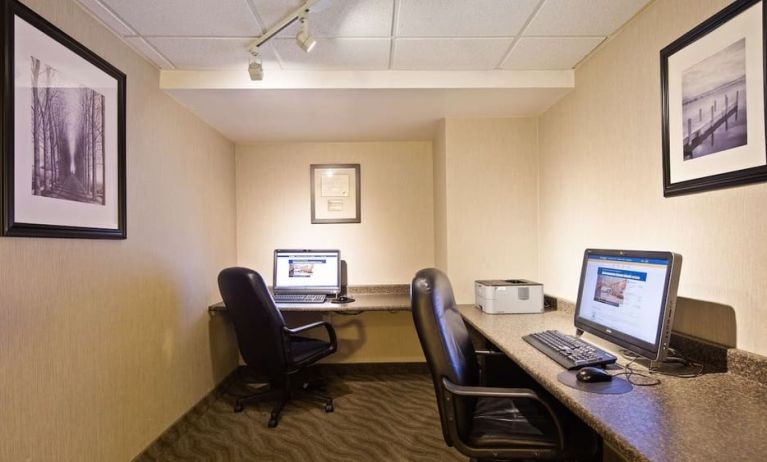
307	271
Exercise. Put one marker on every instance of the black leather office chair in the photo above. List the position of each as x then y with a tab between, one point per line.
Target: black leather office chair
481	422
266	344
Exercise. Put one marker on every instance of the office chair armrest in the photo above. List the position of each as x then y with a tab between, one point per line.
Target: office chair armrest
328	327
489	392
497	392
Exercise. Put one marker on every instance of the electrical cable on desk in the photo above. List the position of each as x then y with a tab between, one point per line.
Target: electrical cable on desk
680	359
629	373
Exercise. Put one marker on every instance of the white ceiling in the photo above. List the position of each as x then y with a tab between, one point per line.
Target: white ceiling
492	36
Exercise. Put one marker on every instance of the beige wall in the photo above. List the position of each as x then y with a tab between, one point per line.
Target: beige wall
104	344
394	240
601	185
491	201
440	197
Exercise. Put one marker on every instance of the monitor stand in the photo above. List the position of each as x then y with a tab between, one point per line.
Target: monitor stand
341	297
672	365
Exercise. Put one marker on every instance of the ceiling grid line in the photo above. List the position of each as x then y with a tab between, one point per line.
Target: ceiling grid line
256	16
129	27
519	35
393	42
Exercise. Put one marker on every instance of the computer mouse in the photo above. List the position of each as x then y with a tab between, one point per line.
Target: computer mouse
593	374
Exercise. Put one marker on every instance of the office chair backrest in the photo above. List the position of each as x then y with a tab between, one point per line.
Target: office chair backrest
445	343
257	321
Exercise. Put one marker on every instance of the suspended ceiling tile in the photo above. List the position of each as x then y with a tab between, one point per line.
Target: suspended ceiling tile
582	17
203	53
198	18
343	53
461	18
107	16
449	54
548	53
333	18
150	52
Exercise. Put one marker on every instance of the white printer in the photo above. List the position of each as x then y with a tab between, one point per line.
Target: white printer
509	296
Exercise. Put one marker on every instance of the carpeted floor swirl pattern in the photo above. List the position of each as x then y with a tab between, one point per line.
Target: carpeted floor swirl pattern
379	416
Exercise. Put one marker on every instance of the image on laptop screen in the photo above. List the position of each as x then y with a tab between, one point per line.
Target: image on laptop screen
307	271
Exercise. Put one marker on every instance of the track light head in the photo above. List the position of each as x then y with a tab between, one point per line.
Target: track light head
255	68
304	40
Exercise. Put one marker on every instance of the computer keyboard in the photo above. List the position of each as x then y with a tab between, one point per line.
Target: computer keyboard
570	352
299	298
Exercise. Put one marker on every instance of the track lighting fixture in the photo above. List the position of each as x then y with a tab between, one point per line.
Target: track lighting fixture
304	40
255	68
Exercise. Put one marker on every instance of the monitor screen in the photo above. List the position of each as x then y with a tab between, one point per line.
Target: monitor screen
628	297
307	271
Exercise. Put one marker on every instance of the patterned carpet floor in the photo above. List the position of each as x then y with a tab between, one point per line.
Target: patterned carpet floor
379	416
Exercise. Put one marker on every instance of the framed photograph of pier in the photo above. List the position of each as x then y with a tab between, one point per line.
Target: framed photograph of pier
713	101
63	134
335	193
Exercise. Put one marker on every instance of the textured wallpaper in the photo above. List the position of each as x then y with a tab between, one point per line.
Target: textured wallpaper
104	344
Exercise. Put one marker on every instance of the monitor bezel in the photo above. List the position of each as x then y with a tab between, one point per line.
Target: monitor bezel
654	351
306	289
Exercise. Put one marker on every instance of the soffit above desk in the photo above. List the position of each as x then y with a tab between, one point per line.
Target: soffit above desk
712	417
359	105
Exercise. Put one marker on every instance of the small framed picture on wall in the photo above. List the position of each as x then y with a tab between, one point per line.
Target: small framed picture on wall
335	193
713	102
63	135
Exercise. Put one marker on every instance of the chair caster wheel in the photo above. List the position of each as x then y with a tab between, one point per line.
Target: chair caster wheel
272	423
238	407
329	407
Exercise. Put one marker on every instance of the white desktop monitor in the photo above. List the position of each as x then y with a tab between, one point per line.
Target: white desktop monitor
628	297
307	271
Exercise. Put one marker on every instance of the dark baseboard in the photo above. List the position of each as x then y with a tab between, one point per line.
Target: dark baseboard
153	452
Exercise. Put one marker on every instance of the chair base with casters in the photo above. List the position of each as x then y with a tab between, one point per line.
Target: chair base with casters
284	391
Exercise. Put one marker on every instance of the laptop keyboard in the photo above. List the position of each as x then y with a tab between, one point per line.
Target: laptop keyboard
300	298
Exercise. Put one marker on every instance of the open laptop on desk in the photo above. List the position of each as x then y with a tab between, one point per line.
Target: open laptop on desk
306	276
626	297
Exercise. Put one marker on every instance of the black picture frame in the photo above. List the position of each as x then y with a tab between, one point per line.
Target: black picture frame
725	179
11	225
315	175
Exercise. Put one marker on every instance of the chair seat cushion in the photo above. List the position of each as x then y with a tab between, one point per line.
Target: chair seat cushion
304	349
501	422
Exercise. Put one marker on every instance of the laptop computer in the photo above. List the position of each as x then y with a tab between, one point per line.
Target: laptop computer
306	276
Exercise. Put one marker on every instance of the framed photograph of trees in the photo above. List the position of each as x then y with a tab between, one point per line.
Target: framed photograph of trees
63	134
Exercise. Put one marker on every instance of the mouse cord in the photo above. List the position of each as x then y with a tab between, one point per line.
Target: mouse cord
630	373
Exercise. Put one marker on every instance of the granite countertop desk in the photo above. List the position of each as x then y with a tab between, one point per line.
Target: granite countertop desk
713	417
367	298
